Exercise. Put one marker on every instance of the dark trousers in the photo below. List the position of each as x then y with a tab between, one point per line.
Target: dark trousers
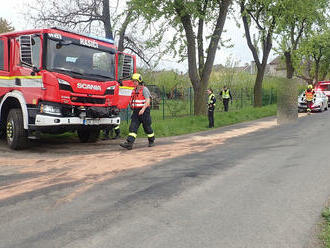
225	104
136	121
211	117
309	106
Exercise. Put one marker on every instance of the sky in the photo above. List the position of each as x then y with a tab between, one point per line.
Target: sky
12	11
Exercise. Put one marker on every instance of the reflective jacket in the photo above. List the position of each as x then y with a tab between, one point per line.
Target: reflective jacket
309	95
137	98
211	99
225	94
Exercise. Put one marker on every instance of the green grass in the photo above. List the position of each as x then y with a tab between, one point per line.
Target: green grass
325	233
192	124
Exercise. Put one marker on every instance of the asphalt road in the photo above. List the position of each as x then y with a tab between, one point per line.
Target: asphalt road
263	189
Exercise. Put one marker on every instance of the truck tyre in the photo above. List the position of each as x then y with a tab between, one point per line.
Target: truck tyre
16	134
2	131
88	135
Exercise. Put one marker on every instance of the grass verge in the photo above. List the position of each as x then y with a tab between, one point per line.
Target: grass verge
192	124
325	233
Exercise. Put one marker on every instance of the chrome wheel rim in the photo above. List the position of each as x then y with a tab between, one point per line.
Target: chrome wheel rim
10	130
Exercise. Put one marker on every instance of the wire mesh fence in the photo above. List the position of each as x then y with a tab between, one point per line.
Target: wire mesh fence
180	102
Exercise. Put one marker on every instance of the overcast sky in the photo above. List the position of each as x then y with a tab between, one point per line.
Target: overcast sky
11	10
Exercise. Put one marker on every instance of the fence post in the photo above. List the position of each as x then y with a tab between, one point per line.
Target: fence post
190	100
163	102
271	96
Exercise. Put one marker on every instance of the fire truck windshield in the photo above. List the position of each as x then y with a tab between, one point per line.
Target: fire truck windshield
80	61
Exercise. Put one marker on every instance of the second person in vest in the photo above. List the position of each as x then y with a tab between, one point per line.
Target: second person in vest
309	95
225	94
140	104
210	107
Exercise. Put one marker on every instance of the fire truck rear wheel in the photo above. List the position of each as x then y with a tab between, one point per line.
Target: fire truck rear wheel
15	132
88	135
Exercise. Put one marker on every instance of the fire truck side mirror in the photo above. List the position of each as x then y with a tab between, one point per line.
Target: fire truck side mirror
34	70
63	43
25	42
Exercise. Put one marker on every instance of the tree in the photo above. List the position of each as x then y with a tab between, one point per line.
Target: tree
116	20
189	20
297	21
312	59
5	26
263	15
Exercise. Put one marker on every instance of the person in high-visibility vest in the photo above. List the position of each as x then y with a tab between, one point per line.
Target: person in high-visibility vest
309	95
140	104
225	94
210	107
109	131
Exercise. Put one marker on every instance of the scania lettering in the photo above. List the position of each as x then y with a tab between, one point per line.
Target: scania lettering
88	86
54	81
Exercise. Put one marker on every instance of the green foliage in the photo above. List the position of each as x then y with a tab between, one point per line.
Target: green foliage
298	19
325	233
5	26
168	80
313	56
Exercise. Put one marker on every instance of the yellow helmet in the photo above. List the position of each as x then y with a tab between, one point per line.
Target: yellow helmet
310	86
137	77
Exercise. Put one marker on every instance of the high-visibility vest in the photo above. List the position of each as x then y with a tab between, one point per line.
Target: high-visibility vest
309	95
225	94
137	99
210	99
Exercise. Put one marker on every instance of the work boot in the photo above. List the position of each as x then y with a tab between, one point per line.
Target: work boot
151	144
127	145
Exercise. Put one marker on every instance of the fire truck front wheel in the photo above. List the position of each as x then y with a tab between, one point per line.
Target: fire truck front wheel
16	134
88	135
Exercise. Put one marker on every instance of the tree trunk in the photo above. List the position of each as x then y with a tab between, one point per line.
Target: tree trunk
106	19
122	31
200	99
258	86
289	65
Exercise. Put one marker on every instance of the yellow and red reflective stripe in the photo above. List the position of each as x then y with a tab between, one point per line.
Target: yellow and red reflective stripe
22	77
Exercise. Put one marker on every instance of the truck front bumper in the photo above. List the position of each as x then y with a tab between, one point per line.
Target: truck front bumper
45	120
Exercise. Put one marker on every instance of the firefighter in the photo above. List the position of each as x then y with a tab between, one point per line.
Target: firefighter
225	94
309	95
210	107
140	104
109	130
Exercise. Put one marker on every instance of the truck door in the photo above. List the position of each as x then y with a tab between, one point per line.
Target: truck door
126	65
4	69
27	50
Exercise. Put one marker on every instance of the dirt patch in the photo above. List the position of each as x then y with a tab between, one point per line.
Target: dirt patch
95	163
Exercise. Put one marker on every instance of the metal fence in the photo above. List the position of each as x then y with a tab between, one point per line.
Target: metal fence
180	102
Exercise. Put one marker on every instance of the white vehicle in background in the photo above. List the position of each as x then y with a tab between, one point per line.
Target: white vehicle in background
320	102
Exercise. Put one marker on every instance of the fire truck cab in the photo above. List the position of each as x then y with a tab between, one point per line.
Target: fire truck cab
54	81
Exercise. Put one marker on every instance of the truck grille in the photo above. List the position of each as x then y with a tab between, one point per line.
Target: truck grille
90	100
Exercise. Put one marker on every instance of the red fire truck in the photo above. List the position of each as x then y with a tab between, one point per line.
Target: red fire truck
53	81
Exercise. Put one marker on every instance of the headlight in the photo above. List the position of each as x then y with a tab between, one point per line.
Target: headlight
64	85
50	109
110	90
